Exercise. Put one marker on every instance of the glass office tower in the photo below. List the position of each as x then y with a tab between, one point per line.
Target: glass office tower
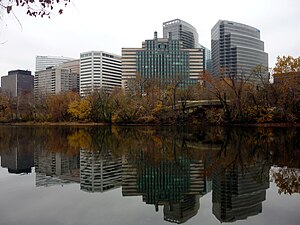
236	49
163	60
182	31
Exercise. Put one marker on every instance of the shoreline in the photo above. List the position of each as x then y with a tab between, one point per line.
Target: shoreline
268	125
133	124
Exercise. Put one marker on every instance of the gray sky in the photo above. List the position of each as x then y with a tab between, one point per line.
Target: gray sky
110	25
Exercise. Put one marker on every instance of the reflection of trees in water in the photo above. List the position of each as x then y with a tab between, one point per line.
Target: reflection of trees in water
12	137
226	146
16	149
269	146
286	179
286	156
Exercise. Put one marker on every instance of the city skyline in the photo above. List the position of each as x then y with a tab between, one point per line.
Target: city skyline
82	29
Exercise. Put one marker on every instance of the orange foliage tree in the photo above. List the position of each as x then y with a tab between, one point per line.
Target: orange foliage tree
57	106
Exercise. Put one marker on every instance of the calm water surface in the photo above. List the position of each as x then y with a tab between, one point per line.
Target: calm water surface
146	176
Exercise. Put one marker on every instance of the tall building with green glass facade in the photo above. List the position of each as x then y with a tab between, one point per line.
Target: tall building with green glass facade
163	60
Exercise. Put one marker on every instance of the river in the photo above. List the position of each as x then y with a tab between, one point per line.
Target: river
114	175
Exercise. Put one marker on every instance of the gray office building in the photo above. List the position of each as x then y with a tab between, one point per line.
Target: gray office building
182	31
236	50
17	82
188	36
57	79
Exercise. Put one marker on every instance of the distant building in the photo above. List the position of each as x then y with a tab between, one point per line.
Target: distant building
57	79
237	50
188	36
99	71
182	31
43	62
17	82
207	59
163	60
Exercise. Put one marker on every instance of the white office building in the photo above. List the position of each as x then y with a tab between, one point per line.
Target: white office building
99	71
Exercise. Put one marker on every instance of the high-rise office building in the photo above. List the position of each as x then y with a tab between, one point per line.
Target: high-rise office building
57	79
182	31
236	50
17	82
188	36
43	62
99	71
163	60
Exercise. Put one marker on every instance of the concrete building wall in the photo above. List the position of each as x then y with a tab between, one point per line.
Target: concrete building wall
57	79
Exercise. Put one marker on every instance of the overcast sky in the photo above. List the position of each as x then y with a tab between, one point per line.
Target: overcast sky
110	25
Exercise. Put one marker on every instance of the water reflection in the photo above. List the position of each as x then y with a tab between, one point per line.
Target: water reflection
55	168
168	168
16	152
99	171
239	192
174	184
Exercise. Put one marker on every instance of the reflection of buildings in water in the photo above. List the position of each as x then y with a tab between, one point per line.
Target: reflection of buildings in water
238	193
55	168
17	160
99	172
175	185
181	211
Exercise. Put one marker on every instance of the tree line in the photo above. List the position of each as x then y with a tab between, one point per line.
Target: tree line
148	102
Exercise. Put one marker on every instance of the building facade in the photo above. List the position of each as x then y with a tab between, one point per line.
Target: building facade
99	71
43	62
17	82
237	50
58	79
163	60
183	31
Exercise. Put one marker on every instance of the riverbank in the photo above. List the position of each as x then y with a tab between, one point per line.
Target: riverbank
56	124
133	124
269	125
